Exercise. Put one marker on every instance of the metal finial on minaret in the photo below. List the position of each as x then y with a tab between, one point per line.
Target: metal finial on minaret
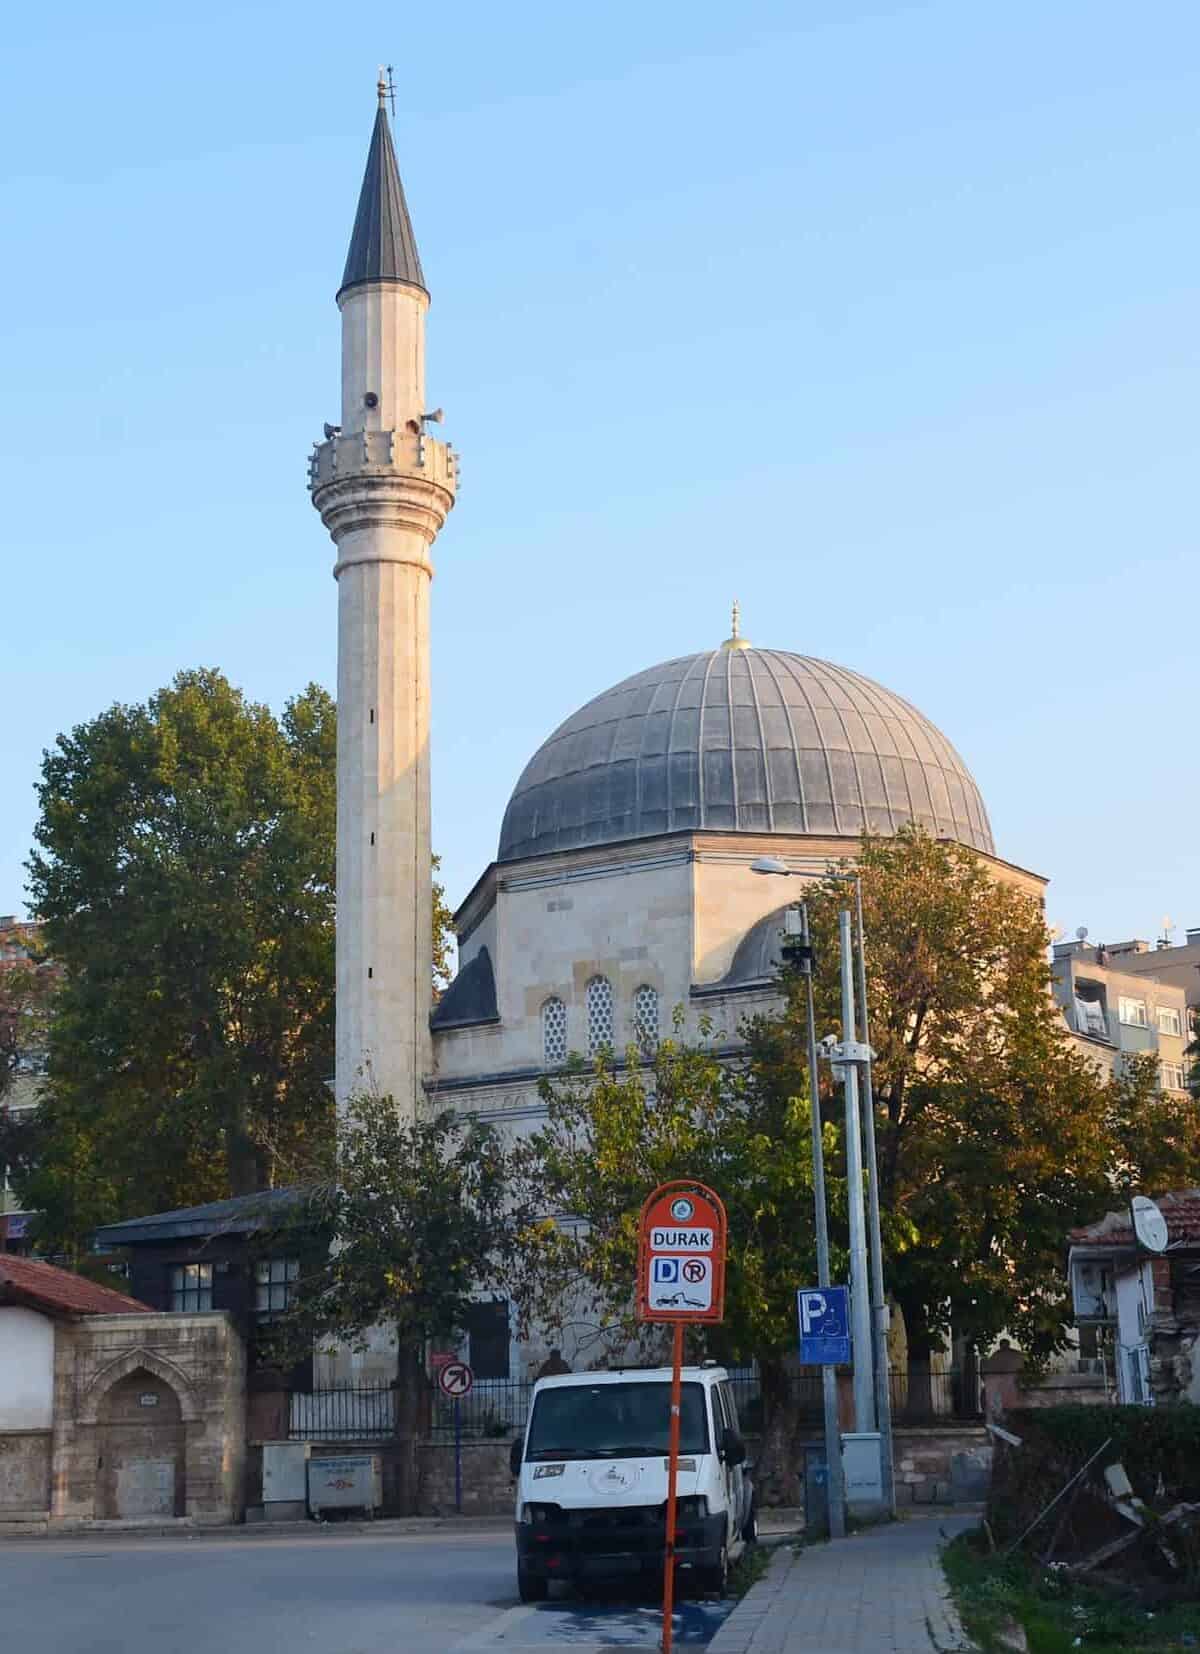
735	640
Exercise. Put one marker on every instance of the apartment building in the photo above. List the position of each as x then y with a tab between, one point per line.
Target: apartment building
1115	1013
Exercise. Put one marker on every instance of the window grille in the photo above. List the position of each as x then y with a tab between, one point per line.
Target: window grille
273	1279
599	1014
645	1016
554	1033
191	1286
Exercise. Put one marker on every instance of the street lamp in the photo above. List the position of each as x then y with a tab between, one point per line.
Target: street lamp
857	1053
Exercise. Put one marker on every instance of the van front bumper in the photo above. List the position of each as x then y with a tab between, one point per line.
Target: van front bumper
594	1544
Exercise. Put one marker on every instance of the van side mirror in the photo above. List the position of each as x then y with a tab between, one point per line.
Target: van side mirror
515	1455
733	1448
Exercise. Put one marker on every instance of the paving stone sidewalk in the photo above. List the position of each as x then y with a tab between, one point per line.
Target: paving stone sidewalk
878	1592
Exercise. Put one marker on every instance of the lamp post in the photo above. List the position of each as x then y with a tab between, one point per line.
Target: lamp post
878	1315
800	954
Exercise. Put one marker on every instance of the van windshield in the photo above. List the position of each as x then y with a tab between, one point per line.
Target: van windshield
614	1421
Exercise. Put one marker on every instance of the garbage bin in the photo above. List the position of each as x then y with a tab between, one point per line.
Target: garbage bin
816	1489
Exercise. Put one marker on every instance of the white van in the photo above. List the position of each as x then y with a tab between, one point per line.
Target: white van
591	1475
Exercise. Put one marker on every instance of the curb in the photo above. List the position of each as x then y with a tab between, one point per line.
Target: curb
183	1528
736	1634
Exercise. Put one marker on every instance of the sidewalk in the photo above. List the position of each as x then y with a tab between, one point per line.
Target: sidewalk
879	1592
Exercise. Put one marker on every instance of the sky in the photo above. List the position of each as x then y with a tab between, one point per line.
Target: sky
878	317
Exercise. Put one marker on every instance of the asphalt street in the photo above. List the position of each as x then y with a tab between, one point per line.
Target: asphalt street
442	1593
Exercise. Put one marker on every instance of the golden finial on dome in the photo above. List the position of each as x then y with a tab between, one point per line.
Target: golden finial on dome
735	640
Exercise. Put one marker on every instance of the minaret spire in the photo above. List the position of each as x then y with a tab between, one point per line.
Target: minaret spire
382	244
384	487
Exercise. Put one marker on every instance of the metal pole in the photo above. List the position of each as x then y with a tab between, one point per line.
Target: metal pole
457	1456
860	1287
668	1624
879	1305
836	1488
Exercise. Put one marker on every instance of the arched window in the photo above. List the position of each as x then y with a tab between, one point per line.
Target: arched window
554	1033
599	1014
645	1017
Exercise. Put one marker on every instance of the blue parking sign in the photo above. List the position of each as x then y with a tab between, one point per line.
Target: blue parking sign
824	1325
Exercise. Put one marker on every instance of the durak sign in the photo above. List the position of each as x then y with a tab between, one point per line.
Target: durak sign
824	1325
681	1255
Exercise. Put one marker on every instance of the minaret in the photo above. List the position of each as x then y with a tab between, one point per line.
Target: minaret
383	488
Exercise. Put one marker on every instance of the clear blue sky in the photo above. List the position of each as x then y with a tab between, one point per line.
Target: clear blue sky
880	317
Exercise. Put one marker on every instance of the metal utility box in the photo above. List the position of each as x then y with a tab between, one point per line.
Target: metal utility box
352	1482
285	1481
862	1463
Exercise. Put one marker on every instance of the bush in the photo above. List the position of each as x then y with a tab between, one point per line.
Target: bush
1158	1446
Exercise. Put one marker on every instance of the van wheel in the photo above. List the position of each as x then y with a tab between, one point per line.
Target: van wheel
717	1579
532	1587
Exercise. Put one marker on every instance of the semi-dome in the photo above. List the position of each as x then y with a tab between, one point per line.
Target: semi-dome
745	740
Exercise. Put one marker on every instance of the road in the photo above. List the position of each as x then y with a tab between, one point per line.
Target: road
442	1593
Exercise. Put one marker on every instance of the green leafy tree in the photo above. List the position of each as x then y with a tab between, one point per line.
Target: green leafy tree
995	1134
184	873
422	1218
28	981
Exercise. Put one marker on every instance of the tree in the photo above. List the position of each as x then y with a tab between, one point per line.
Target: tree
443	935
27	984
184	873
422	1218
995	1135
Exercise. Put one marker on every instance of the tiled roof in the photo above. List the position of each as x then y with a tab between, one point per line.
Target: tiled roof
746	741
240	1215
30	1282
1180	1207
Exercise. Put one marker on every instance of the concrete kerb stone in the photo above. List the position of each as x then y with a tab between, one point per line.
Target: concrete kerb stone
184	1528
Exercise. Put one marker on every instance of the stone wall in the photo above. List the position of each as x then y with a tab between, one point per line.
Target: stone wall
24	1475
195	1363
942	1466
487	1486
1063	1389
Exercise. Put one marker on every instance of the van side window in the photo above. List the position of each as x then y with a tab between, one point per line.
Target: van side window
731	1406
720	1412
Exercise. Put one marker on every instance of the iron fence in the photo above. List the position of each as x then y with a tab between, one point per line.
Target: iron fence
348	1413
497	1409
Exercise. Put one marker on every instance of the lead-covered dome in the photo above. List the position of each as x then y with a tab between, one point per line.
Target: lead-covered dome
741	740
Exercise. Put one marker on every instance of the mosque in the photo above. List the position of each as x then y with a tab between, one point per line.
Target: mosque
622	884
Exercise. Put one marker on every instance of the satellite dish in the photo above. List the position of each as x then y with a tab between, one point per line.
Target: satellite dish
1149	1225
1081	935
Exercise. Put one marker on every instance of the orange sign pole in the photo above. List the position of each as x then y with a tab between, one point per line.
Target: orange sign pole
668	1630
681	1279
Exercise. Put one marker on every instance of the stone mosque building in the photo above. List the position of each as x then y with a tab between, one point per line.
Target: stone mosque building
622	884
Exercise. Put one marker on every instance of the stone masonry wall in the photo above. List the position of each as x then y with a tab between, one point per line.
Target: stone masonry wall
942	1466
487	1486
24	1475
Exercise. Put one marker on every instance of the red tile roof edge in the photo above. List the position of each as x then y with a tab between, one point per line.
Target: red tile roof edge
1180	1207
60	1289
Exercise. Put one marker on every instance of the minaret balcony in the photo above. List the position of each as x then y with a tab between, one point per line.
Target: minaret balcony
382	453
